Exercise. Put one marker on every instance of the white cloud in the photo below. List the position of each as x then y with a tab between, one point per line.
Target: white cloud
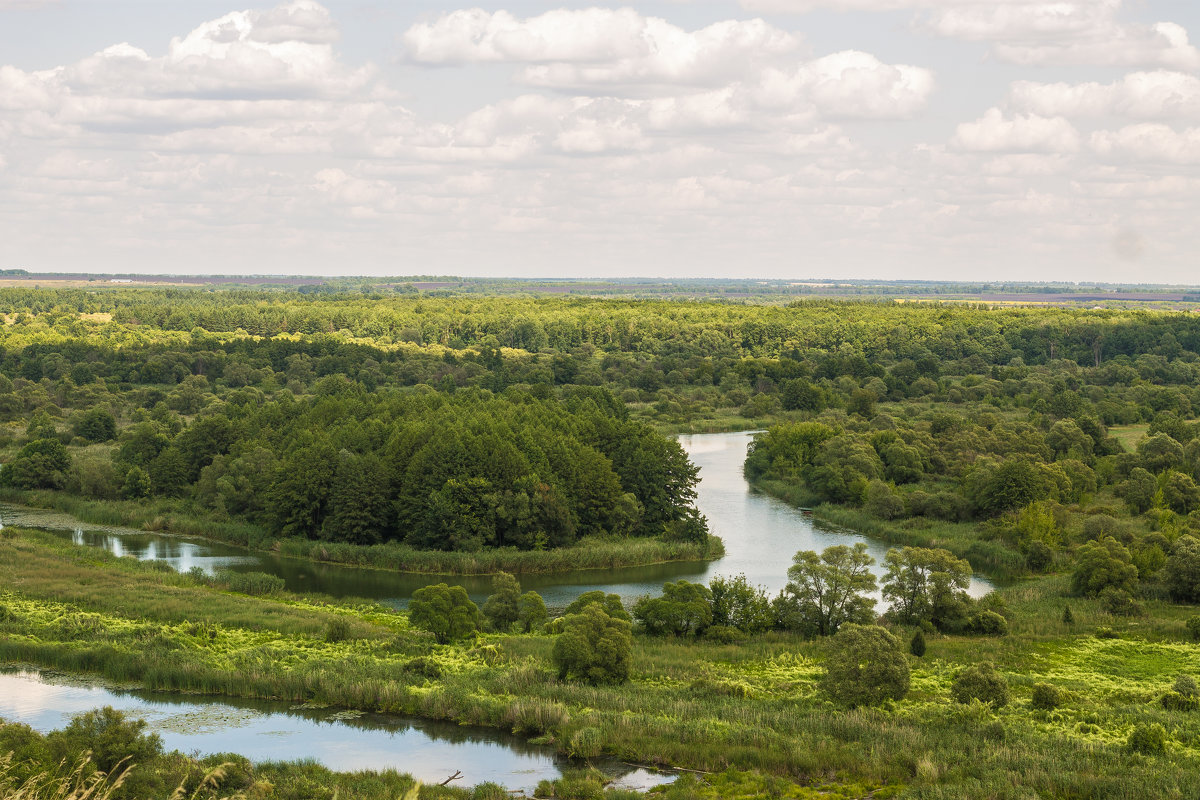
993	133
1149	142
599	47
1160	94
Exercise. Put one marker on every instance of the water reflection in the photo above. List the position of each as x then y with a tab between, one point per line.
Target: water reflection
270	731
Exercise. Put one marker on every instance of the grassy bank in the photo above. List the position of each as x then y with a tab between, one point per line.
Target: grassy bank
754	706
991	558
168	516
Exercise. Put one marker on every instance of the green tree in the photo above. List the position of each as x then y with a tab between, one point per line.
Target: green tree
41	464
594	647
737	604
1180	493
611	603
917	645
531	611
926	585
865	666
1138	491
445	611
502	608
1181	573
684	609
829	590
96	425
1101	564
1160	452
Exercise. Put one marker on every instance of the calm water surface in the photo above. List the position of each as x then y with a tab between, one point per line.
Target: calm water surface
761	534
266	731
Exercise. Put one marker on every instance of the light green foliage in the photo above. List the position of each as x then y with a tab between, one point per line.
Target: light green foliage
503	606
1147	739
1046	697
1101	564
983	683
684	609
865	666
594	647
445	611
827	591
926	585
611	603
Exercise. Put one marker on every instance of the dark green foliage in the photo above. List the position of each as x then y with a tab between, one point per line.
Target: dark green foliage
41	464
531	612
611	603
1181	572
338	630
1193	627
594	647
445	611
865	666
1148	739
1046	697
980	682
1038	556
1101	564
1014	484
112	741
502	608
684	609
96	425
917	645
827	591
1119	602
1067	617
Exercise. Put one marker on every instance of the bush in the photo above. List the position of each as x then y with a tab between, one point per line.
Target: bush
1102	564
917	645
338	630
1038	556
594	647
445	611
423	667
980	682
1106	633
112	740
1068	618
585	743
1193	627
684	609
1147	739
1120	603
531	611
1046	697
865	666
988	623
1174	701
724	634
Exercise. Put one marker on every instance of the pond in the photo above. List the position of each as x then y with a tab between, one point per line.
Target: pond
760	533
344	741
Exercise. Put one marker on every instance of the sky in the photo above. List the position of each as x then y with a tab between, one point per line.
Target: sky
1028	140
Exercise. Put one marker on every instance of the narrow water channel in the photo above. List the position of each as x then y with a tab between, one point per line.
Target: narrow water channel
761	535
344	741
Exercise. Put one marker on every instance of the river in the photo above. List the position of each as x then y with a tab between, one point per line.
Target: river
760	533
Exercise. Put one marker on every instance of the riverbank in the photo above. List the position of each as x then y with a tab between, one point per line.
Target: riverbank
165	516
990	558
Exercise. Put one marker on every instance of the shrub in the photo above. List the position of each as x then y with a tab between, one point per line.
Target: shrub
724	634
1174	701
445	611
594	647
1046	697
865	666
1186	686
684	609
1120	603
988	623
338	630
917	645
1147	739
1193	627
1181	573
531	611
1068	618
424	667
610	603
1038	556
1106	633
1102	564
980	682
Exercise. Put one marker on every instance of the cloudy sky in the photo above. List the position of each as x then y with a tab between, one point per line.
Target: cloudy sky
939	139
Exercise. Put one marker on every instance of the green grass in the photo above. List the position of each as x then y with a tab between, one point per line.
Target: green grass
1129	435
755	707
